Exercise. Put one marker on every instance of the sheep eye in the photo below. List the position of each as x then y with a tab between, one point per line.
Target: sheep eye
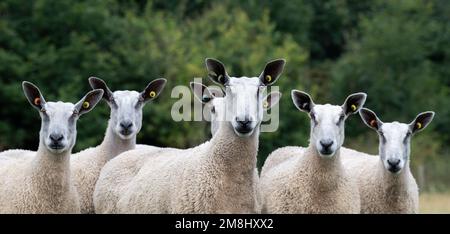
113	102
341	118
408	134
382	136
313	117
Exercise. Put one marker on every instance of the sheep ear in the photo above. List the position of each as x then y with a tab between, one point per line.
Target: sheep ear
153	89
354	103
97	83
33	95
89	101
272	72
201	92
421	122
302	101
216	71
370	119
271	100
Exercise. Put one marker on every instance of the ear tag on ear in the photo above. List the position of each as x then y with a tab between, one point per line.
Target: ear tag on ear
37	101
353	107
418	125
265	104
268	78
86	105
373	123
152	94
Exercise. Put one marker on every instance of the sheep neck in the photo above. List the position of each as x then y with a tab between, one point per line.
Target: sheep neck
392	183
113	145
231	153
49	171
323	171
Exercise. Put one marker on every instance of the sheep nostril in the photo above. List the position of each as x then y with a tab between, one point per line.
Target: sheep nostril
126	125
326	143
56	137
394	162
243	122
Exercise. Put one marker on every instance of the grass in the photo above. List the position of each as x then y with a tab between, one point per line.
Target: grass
434	203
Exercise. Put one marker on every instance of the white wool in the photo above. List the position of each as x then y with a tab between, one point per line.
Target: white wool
36	182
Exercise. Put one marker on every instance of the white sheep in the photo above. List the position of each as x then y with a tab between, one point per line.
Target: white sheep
312	179
40	182
124	124
217	176
385	182
117	173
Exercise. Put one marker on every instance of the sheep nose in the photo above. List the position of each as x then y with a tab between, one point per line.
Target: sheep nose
126	124
393	162
326	143
243	122
56	137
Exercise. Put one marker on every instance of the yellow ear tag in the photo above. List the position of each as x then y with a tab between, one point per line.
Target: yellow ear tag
86	105
268	78
419	125
152	94
265	104
37	101
353	107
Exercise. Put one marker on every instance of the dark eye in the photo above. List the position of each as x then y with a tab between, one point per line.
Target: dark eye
313	117
382	136
213	110
408	134
113	102
341	118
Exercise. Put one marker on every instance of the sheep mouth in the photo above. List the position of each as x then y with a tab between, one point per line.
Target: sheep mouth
126	133
326	153
394	170
244	131
56	146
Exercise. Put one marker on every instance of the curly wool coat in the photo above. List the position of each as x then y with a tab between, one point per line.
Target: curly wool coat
303	182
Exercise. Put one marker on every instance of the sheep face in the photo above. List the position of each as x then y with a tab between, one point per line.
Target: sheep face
126	106
327	128
243	105
58	127
215	106
395	138
327	121
243	101
126	113
394	146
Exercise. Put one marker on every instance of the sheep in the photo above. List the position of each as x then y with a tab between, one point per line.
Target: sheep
40	182
312	179
124	124
118	172
217	176
386	184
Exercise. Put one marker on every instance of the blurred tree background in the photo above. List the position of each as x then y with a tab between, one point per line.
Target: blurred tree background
398	52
